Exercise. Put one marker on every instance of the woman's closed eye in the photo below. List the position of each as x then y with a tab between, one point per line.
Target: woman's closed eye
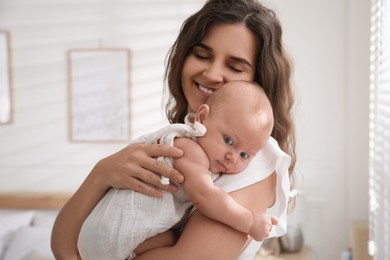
201	54
201	57
235	69
238	65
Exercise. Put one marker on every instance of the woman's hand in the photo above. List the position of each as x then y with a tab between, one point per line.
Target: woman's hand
132	167
137	168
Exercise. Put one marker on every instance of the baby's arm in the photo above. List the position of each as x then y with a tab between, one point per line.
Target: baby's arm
211	200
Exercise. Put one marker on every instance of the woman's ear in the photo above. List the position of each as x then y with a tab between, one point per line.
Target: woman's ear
202	113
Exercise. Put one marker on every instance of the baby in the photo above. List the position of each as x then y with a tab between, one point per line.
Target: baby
239	120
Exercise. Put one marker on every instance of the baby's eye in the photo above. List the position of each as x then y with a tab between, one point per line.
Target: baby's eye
244	155
228	140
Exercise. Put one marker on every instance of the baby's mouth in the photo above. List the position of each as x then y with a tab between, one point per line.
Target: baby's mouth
222	167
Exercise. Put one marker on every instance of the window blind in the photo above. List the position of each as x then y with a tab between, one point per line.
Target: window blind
379	136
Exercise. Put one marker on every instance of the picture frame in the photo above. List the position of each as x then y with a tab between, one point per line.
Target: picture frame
99	95
6	111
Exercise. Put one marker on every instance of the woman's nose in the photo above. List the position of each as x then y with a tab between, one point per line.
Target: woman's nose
214	72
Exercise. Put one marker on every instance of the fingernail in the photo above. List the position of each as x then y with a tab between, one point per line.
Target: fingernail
179	152
179	178
173	188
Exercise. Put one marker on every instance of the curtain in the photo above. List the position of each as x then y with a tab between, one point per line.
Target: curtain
379	135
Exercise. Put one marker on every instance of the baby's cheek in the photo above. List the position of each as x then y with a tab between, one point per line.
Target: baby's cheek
239	167
244	165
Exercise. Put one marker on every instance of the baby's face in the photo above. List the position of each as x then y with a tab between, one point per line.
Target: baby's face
231	141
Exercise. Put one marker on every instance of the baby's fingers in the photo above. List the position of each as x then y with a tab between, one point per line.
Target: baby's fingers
274	220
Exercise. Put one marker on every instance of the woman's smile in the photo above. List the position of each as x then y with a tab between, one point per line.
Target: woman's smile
204	90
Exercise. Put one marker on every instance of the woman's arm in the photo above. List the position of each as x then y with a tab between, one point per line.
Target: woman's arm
204	238
131	167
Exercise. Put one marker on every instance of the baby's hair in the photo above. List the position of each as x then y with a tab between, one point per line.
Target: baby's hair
237	92
247	97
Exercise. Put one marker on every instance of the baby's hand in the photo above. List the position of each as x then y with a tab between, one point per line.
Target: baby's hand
262	225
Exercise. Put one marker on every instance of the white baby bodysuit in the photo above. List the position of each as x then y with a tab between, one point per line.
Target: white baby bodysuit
124	218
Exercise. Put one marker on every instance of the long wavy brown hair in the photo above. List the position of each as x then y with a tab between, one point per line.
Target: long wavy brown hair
273	70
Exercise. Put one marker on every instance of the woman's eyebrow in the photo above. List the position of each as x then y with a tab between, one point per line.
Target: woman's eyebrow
235	58
241	60
204	46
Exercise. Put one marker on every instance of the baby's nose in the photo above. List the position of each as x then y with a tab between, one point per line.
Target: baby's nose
231	158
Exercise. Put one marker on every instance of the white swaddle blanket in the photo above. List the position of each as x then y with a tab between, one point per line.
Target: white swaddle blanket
124	218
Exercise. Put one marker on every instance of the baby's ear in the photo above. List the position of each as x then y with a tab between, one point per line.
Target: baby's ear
202	113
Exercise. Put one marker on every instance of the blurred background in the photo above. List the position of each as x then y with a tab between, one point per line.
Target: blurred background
329	42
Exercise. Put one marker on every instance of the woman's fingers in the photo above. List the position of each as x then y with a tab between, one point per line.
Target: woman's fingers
163	169
149	181
160	167
144	188
137	168
155	150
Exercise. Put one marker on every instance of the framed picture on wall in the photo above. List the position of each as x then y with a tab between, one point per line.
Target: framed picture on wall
99	95
5	79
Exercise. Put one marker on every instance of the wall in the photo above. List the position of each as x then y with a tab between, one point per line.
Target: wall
35	153
358	107
329	42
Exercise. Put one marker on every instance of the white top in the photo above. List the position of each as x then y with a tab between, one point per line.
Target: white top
271	158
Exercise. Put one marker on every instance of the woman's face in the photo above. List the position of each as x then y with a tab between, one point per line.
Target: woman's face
226	53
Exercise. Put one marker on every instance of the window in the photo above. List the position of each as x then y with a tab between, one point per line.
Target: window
379	166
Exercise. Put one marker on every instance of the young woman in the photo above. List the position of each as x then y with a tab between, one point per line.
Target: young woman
226	40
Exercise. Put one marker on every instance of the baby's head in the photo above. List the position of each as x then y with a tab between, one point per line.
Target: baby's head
239	121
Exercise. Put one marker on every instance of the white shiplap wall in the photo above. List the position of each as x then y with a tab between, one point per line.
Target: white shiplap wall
35	153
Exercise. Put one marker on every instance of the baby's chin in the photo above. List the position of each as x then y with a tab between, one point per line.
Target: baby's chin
229	172
232	172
